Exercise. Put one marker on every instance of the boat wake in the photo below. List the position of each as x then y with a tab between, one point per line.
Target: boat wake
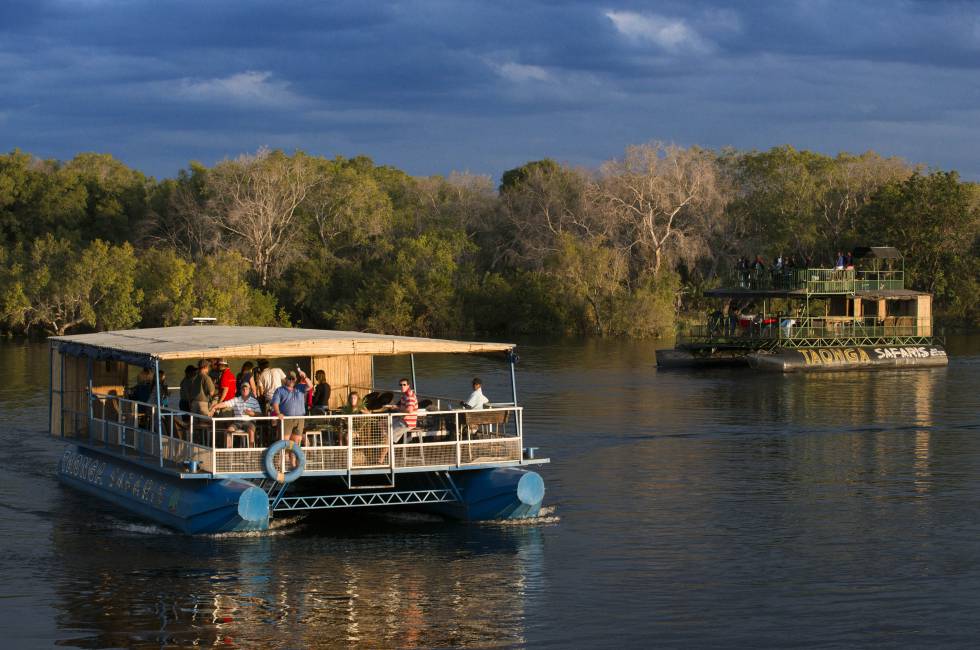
547	516
279	526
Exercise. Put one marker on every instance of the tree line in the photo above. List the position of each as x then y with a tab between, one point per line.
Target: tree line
274	238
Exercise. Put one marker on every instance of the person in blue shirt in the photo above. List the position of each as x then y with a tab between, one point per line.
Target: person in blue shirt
289	405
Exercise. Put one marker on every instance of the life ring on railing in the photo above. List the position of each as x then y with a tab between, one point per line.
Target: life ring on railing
269	461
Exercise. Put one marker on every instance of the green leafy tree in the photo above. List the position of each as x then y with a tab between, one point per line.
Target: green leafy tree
934	220
67	288
167	283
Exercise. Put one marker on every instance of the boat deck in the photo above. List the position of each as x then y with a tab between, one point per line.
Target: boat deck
195	446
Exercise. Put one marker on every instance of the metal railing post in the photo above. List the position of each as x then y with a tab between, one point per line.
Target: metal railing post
459	442
214	446
91	407
159	412
282	436
391	442
350	445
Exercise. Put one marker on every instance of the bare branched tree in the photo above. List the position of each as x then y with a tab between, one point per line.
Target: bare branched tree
667	200
548	203
255	198
849	183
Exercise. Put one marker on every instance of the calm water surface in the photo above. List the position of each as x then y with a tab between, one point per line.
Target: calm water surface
720	509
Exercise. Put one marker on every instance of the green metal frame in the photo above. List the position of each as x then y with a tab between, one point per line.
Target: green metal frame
816	281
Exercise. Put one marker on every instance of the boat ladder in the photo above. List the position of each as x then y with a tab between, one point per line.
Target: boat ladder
275	490
388	479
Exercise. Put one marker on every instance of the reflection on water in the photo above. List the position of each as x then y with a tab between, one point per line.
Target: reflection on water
382	582
697	509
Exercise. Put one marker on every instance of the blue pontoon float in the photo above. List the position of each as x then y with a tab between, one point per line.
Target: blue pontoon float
175	468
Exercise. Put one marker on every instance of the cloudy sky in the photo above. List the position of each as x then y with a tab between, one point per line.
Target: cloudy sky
433	87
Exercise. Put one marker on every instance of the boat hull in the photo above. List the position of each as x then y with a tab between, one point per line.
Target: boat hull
494	494
193	506
849	358
209	506
683	358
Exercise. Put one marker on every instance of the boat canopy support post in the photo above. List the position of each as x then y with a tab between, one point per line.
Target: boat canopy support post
159	411
61	402
415	385
91	397
512	358
50	387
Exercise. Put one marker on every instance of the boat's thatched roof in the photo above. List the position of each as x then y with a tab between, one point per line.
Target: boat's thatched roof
199	341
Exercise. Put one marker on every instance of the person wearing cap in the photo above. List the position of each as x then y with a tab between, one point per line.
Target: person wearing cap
476	400
289	401
202	391
226	384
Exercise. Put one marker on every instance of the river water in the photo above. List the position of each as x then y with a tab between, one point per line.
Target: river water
686	509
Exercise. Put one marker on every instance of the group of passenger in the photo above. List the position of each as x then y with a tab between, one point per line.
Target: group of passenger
211	389
259	389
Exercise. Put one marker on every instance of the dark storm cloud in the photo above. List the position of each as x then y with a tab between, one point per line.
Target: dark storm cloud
436	86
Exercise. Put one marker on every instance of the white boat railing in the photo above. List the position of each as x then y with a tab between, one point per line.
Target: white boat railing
331	443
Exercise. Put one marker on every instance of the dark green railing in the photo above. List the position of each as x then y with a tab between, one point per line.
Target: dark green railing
796	332
815	281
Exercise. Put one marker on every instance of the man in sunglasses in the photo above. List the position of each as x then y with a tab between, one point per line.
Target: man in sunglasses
408	403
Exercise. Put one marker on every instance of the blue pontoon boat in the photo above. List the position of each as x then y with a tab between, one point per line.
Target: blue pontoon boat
175	467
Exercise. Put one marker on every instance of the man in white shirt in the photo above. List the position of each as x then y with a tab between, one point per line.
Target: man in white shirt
476	400
268	381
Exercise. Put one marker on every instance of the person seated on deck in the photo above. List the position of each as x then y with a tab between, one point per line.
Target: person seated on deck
247	427
352	407
408	403
476	400
268	381
289	401
243	405
321	394
202	390
143	387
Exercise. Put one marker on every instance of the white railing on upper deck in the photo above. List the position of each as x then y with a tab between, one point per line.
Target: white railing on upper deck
332	443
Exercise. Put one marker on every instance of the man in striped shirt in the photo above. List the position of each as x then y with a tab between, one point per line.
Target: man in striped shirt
408	403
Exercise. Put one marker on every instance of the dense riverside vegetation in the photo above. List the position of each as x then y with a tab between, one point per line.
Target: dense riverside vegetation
274	238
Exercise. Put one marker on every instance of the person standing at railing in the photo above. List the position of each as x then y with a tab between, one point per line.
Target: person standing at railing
227	386
202	390
320	404
185	388
289	402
